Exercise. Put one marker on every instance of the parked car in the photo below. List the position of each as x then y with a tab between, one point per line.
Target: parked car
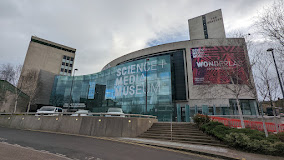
115	112
82	113
49	111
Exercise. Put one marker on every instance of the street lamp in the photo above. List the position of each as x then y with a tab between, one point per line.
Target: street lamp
271	50
282	78
146	61
70	98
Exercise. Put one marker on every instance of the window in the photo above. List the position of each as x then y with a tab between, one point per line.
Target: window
69	71
71	65
64	57
66	64
72	59
63	63
65	70
62	69
68	58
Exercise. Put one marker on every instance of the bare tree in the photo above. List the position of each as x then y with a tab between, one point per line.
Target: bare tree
12	74
7	73
18	91
271	22
266	84
31	85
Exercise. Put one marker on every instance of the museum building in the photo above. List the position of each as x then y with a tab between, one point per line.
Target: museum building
169	80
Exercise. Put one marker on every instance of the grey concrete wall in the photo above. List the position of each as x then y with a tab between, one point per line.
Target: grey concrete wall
214	24
92	126
46	78
47	61
44	57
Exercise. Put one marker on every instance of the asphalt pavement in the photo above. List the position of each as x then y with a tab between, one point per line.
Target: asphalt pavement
84	148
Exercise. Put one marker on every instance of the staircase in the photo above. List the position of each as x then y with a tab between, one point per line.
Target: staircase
181	132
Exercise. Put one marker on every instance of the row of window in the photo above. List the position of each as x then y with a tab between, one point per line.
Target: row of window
66	70
68	58
67	64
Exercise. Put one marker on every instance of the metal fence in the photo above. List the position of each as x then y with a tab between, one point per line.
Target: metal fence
258	125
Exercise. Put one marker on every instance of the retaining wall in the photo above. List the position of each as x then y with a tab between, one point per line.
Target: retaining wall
92	126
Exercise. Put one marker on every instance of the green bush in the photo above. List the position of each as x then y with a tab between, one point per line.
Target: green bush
245	139
238	140
280	136
252	134
244	142
220	131
201	119
215	129
279	148
209	126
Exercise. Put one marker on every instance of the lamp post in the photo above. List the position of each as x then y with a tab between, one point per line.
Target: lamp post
282	79
146	61
271	50
70	98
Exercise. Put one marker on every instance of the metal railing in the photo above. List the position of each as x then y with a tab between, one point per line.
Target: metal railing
82	114
258	125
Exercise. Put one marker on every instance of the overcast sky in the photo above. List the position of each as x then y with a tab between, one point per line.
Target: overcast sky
102	30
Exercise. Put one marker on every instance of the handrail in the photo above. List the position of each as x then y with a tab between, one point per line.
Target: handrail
79	114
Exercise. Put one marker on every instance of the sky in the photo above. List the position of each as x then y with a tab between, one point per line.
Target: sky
102	30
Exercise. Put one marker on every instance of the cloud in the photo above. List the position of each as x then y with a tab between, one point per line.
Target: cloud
102	30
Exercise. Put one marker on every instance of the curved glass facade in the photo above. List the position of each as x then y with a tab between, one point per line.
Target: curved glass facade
122	86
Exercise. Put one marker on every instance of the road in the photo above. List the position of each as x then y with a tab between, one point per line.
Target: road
84	148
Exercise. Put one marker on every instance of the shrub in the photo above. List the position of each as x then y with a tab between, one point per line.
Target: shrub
200	119
272	138
209	126
244	142
279	148
280	136
238	140
220	131
252	134
244	139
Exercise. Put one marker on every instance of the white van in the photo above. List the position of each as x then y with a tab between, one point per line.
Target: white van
49	111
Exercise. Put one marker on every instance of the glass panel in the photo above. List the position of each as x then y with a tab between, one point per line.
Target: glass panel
123	86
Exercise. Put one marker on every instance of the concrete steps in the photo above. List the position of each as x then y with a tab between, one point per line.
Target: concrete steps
180	132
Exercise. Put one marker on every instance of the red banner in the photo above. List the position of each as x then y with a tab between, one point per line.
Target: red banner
219	65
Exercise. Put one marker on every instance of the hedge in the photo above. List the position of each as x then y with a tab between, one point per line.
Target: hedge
243	139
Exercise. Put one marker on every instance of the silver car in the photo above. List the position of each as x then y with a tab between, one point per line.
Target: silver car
82	113
115	112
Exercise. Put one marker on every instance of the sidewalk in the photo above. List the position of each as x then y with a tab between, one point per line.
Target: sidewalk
218	152
16	152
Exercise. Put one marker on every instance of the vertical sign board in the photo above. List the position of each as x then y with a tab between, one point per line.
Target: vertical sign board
219	65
